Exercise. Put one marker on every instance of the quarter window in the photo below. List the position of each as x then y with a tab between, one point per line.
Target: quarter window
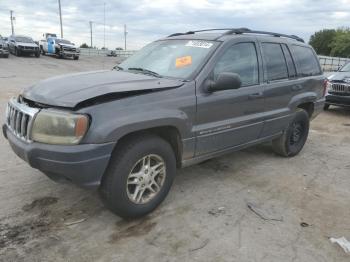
242	60
275	63
306	61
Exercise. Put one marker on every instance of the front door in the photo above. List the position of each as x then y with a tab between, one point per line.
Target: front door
230	118
50	46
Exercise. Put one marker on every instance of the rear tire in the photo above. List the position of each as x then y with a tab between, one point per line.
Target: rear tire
294	137
37	54
326	107
127	171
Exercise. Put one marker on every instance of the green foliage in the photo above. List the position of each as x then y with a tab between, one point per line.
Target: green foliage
332	42
84	45
341	43
321	41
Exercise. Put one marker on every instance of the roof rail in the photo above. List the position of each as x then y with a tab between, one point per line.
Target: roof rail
240	31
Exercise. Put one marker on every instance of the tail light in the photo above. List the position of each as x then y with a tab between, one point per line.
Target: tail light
326	85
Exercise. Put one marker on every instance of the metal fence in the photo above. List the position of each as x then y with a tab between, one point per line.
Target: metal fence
331	64
99	52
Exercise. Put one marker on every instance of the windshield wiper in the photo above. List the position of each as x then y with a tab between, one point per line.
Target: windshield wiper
146	71
119	68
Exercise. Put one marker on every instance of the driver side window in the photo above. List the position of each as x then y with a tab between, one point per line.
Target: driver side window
240	59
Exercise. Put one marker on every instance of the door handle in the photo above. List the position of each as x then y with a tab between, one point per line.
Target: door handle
255	95
297	87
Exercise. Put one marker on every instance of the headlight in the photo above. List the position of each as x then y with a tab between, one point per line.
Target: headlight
54	127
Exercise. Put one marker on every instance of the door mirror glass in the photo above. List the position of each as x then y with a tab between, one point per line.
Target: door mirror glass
225	81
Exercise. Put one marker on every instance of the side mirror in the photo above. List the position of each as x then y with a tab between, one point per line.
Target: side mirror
224	81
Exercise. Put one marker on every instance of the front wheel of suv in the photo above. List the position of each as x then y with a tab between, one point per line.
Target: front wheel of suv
139	176
294	137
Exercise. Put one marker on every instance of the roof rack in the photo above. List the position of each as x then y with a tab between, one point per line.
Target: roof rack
240	31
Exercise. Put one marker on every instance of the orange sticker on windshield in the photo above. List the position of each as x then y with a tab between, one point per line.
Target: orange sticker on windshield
183	61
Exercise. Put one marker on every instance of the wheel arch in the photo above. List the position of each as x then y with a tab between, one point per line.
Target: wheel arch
169	133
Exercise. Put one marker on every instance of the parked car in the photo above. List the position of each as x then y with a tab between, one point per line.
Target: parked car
59	47
4	52
338	88
178	101
20	45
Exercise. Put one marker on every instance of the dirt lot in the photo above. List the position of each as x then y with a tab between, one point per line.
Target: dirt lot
304	200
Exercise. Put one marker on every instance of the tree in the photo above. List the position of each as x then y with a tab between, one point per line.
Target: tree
341	43
119	48
322	40
84	45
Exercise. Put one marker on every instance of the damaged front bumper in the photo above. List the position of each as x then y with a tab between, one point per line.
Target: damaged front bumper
82	164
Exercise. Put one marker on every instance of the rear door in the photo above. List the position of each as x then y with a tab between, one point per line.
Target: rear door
280	84
230	118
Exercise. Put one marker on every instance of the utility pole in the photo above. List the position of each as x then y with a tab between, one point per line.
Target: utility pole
90	34
59	8
12	18
104	25
125	33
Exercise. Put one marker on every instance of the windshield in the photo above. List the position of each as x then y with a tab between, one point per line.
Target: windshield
169	58
345	68
24	39
63	41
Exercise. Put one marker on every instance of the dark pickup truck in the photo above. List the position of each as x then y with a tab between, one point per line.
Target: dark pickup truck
178	101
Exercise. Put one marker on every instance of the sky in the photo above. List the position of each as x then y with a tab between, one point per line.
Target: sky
148	20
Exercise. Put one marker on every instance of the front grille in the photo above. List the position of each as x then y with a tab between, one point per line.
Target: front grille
19	119
69	49
340	88
29	48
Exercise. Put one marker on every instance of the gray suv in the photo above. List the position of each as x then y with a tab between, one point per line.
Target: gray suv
338	88
177	102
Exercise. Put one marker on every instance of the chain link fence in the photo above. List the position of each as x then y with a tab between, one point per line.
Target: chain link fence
331	64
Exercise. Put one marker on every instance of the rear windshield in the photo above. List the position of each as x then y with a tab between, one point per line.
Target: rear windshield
306	61
171	58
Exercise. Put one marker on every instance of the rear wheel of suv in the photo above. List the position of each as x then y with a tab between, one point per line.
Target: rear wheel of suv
293	139
139	176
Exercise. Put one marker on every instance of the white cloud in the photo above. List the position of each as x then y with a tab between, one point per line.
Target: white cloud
148	20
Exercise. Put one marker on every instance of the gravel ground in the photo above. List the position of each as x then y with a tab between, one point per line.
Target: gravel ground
246	206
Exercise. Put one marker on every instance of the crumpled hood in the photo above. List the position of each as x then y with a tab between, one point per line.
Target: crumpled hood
339	76
70	90
67	45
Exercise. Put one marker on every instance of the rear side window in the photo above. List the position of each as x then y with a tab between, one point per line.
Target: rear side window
242	60
275	63
289	60
306	61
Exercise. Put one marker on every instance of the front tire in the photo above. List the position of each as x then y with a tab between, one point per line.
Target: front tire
76	57
326	107
139	176
294	137
17	52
